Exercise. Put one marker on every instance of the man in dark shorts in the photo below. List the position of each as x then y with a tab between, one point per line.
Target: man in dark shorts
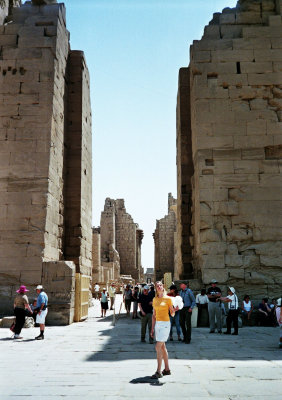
145	302
214	307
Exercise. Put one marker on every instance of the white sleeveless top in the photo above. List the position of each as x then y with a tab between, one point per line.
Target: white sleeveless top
247	306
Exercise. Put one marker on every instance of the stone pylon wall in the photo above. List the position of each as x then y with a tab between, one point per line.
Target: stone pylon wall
96	257
235	94
37	72
126	241
183	266
120	240
164	241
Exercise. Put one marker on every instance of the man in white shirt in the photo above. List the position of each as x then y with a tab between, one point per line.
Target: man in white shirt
96	291
233	311
112	293
202	301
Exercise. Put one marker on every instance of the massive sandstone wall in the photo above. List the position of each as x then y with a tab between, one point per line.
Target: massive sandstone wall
43	131
121	241
236	131
164	239
183	266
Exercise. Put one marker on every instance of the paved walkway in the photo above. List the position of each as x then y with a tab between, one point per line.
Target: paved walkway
96	360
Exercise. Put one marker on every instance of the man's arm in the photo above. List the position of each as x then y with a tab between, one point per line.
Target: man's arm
141	309
192	298
224	299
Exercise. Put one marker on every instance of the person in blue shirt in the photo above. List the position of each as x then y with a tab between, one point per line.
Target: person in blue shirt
41	305
186	312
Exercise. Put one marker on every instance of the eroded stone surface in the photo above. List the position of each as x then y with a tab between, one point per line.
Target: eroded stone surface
235	137
117	244
165	241
45	137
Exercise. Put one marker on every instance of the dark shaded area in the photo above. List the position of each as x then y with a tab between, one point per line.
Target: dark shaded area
123	343
147	379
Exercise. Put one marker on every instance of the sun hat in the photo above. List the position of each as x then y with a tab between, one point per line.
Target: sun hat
146	287
232	289
39	287
214	281
22	289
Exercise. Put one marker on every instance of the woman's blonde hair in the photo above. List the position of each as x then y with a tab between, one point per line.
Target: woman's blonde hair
156	292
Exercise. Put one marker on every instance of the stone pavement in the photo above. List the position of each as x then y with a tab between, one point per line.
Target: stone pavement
96	360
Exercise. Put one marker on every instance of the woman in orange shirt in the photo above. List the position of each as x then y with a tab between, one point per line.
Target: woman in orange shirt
162	306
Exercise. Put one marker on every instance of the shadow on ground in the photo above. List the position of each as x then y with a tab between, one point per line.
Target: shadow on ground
123	343
147	379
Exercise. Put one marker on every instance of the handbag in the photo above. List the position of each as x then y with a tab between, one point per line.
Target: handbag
12	327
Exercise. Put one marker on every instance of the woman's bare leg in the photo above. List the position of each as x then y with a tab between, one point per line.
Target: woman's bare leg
165	356
159	355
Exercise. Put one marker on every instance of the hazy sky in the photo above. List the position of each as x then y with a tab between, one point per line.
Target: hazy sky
134	49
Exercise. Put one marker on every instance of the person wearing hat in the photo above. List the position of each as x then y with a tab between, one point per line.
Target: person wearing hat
145	301
41	305
104	302
20	306
233	311
214	307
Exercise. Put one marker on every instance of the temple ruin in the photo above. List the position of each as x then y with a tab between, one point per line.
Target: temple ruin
165	241
229	151
116	244
46	176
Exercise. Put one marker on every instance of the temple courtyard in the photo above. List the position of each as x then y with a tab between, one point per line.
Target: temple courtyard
96	359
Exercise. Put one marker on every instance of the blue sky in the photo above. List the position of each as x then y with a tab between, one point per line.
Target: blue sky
134	49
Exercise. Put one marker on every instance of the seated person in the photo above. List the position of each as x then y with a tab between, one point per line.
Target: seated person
264	314
247	307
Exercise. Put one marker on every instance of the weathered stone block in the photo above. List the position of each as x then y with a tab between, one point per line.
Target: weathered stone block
226	208
233	260
239	234
235	180
251	44
221	275
210	235
246	167
213	248
271	261
236	273
232	55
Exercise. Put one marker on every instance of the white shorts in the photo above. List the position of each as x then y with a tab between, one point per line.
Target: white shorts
40	319
162	329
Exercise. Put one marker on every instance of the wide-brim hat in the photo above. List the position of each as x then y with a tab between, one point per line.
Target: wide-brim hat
39	287
22	289
231	289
